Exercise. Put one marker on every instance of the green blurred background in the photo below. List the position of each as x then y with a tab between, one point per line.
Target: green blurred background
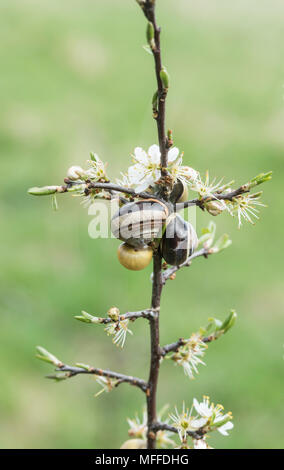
74	78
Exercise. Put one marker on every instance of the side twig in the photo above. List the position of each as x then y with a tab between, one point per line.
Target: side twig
104	373
132	316
157	426
173	347
168	273
221	197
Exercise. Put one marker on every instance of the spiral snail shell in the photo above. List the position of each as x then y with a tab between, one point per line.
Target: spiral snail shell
179	240
133	258
138	223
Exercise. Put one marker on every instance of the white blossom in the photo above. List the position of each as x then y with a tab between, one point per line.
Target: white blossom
184	422
244	207
163	439
213	415
201	444
206	188
185	173
146	170
97	168
106	383
119	332
137	427
188	356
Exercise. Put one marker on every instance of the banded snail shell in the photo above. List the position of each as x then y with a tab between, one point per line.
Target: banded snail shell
179	192
179	240
138	223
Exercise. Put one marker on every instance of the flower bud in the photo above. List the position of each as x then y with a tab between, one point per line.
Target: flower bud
75	172
134	444
215	207
113	313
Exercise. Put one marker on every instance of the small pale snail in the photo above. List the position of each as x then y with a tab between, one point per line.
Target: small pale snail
132	258
179	240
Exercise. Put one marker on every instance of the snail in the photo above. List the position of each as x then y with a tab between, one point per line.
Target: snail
139	223
179	192
179	240
132	258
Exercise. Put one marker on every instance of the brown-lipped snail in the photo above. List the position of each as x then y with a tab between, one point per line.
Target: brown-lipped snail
179	192
179	240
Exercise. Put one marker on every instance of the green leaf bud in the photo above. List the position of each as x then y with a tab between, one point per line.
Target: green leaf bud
43	191
165	78
83	366
46	356
221	244
229	321
150	32
87	318
261	178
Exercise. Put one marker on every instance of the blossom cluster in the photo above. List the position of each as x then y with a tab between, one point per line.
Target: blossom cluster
189	355
138	433
206	418
145	173
203	417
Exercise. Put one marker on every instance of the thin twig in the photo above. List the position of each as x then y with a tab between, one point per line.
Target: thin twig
173	347
106	186
132	316
221	197
105	373
170	271
117	188
157	426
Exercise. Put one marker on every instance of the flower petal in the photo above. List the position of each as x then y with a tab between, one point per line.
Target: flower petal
136	173
154	153
173	154
225	428
144	184
141	156
189	173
